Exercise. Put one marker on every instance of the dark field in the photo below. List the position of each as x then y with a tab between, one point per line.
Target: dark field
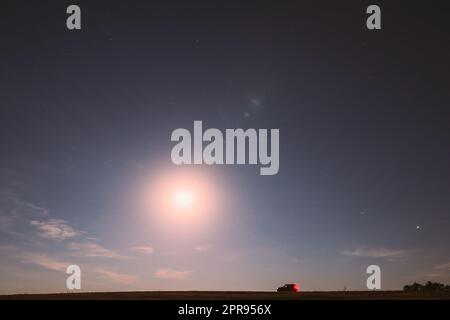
234	295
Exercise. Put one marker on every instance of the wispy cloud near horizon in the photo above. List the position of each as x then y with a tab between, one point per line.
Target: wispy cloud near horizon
92	250
141	249
443	266
116	277
44	261
171	274
375	253
203	247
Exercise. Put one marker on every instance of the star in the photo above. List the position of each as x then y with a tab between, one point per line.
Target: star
417	227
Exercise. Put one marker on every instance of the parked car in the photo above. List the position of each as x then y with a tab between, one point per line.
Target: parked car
290	287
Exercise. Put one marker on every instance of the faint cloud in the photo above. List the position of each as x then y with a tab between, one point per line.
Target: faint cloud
15	213
55	229
93	250
38	259
116	277
141	249
171	274
436	275
375	253
8	248
12	204
203	248
43	261
30	208
7	224
445	266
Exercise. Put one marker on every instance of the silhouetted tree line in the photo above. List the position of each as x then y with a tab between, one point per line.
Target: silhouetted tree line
429	286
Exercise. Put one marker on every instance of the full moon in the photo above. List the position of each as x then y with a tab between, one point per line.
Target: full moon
183	199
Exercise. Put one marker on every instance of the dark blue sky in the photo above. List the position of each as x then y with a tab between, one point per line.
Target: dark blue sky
86	118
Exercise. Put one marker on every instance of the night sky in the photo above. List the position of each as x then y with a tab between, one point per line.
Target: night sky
86	118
